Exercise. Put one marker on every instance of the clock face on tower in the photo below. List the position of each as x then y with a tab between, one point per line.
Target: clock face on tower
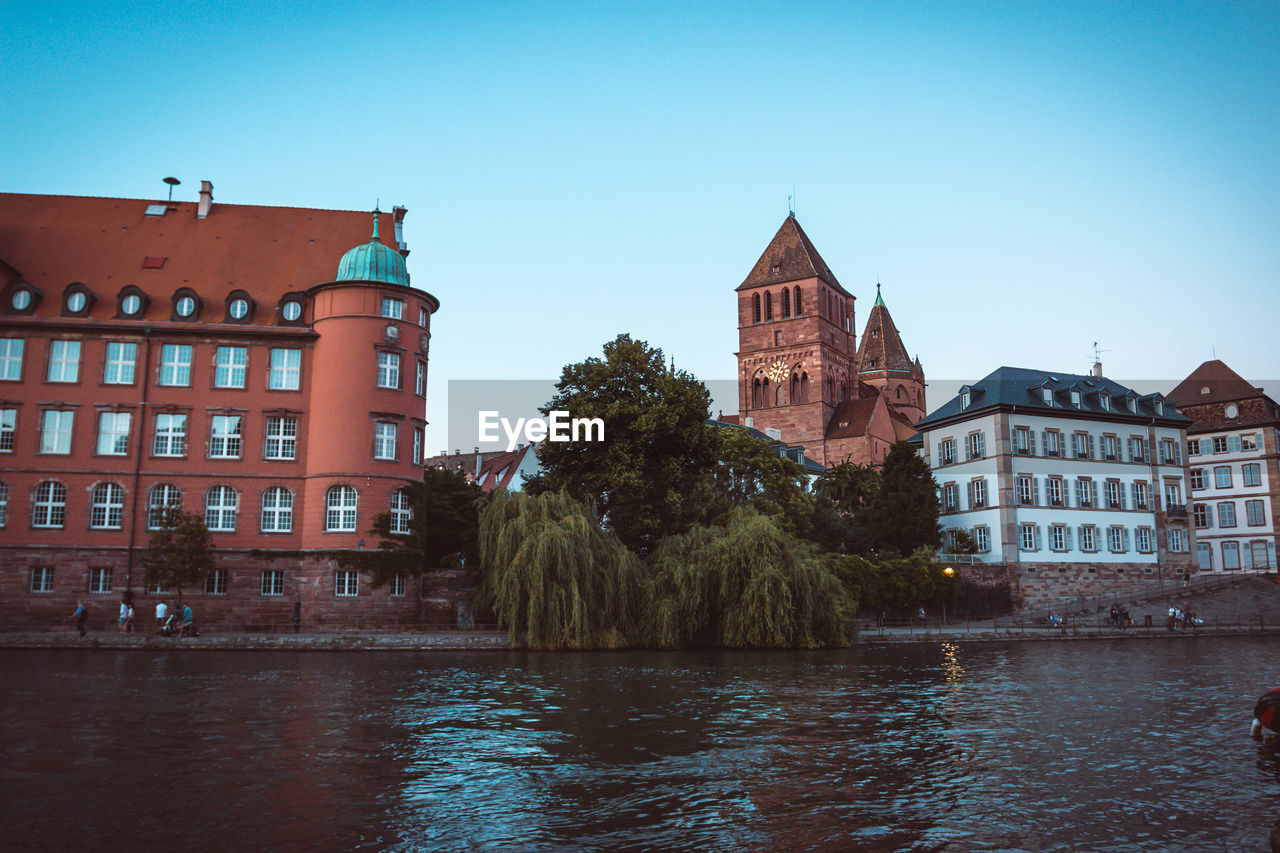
777	371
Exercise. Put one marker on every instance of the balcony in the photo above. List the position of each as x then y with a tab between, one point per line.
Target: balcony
1176	511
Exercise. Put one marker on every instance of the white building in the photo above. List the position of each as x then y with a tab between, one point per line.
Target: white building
1075	483
1232	448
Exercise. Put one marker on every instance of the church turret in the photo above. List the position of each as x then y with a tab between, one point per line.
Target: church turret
883	363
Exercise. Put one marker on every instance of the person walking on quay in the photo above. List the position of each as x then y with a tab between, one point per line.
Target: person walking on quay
124	615
81	616
128	620
1125	619
1115	617
920	617
188	628
162	612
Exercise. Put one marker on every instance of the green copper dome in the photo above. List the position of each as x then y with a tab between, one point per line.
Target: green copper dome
373	261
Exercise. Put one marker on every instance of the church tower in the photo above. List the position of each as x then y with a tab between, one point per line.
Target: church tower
884	364
796	350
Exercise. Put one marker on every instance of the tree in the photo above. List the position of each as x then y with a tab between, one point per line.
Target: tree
752	474
554	577
903	515
651	475
442	530
842	496
180	552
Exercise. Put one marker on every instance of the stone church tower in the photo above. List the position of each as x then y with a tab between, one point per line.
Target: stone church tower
799	369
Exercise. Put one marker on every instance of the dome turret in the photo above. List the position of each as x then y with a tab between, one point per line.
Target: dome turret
373	261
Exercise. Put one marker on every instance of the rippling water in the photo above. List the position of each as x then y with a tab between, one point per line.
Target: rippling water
1101	746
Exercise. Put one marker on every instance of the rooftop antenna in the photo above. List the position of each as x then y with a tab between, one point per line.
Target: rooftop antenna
172	182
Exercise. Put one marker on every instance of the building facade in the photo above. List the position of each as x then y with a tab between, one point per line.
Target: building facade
1076	483
1233	445
263	366
801	374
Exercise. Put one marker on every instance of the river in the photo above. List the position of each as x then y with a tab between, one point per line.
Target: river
1125	745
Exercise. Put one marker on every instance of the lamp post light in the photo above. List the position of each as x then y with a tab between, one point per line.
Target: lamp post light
950	573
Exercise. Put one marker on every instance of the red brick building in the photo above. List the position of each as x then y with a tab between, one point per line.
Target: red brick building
264	366
801	376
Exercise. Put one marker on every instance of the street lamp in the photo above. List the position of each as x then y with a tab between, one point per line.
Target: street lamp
950	573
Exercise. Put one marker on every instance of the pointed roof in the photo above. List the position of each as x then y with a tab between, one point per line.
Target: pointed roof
1222	383
790	256
881	344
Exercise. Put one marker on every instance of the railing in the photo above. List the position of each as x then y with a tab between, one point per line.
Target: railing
1040	627
1176	511
1139	591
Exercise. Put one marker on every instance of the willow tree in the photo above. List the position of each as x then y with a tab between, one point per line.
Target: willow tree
744	584
180	552
554	577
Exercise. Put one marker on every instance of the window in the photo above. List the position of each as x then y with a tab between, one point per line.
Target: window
42	579
976	446
1116	537
964	396
171	435
10	359
55	437
215	583
1255	515
1084	494
1022	441
286	370
1249	442
397	586
384	441
162	497
1169	452
118	368
107	510
950	497
64	361
1088	538
1204	556
185	307
1252	474
1219	444
113	433
1230	556
1022	489
388	370
291	310
1052	442
131	304
1139	494
1110	448
238	309
1177	541
282	438
1104	400
1075	399
978	497
1058	538
1201	515
768	305
224	437
277	510
273	582
4	503
1193	447
1081	445
99	580
1046	396
1142	536
393	308
418	440
799	301
229	367
755	308
220	509
420	384
982	537
947	451
8	426
1029	537
400	512
346	584
1054	488
1197	479
422	317
50	506
1258	557
340	510
175	365
1114	494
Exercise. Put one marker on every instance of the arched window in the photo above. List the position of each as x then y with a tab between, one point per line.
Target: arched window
899	392
220	509
786	303
757	400
768	305
107	511
4	503
795	388
163	495
798	301
277	510
400	512
755	308
50	506
340	510
764	390
804	387
778	398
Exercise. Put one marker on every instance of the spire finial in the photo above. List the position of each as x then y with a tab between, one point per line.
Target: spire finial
376	214
879	298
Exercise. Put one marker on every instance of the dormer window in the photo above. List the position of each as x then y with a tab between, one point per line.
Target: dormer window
1204	392
76	301
1046	394
1131	404
132	303
964	399
1104	400
186	307
239	307
1075	398
1159	407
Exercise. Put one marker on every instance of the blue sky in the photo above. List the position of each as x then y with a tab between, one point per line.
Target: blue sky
1023	178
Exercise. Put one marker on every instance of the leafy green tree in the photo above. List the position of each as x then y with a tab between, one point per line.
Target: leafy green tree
903	515
652	473
180	552
752	474
841	498
744	583
554	577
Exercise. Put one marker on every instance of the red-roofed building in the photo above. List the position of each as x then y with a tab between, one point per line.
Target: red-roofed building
154	352
800	375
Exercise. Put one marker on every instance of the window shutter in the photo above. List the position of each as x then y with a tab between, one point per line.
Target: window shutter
1066	535
1092	454
1206	446
1075	445
1031	441
1233	443
1177	453
1257	442
1035	491
1079	492
970	494
1134	488
1038	545
1124	539
1132	456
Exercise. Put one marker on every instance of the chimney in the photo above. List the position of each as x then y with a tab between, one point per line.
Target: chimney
1097	369
398	213
479	463
206	199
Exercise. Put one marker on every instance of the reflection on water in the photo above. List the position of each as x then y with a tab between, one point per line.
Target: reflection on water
952	747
